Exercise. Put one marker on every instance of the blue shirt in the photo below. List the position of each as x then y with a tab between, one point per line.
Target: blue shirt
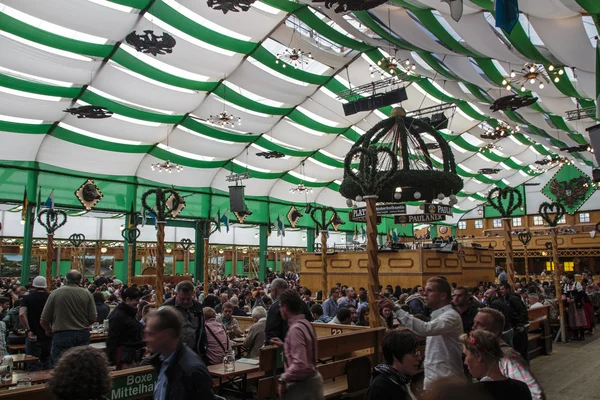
160	389
330	307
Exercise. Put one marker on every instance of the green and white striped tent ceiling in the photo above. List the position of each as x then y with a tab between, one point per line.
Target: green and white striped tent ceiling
67	53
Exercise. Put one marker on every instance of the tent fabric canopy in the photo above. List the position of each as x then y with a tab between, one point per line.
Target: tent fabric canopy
70	53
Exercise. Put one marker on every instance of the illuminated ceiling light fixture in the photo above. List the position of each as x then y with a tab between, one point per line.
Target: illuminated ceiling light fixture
301	188
224	119
534	74
393	66
166	166
294	57
502	130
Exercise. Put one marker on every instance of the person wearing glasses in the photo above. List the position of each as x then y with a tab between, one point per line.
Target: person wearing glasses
402	359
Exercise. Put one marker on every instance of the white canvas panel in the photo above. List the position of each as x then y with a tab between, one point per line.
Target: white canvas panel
60	153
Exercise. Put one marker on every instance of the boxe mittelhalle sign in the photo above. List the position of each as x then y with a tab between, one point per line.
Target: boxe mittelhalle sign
432	213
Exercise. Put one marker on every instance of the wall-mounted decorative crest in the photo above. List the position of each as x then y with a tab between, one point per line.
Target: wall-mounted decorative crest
294	216
89	194
242	215
570	187
512	102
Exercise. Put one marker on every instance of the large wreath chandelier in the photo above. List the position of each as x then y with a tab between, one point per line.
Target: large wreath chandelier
166	166
534	74
224	119
295	57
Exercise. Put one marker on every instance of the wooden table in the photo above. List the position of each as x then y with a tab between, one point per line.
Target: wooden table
241	371
36	377
22	359
98	337
238	346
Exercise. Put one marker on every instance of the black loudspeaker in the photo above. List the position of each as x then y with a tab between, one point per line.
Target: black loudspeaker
439	121
596	175
236	199
376	101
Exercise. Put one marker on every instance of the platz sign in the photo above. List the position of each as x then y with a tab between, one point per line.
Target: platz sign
360	214
437	209
418	218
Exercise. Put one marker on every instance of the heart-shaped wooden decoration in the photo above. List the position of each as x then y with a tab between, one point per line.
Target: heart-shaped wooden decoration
52	220
322	219
77	239
548	245
131	234
524	237
551	208
185	243
513	196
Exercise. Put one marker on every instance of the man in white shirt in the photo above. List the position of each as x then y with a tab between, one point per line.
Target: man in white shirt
443	351
534	301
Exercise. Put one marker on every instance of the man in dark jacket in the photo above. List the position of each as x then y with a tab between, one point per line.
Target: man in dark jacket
124	344
520	319
276	326
181	373
192	328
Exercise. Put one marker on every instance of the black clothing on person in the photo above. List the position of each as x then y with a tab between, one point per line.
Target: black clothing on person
35	302
508	389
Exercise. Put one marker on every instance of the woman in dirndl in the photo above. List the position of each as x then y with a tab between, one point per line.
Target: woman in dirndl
573	294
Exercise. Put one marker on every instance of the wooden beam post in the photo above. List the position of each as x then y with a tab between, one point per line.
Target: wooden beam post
160	261
373	266
510	263
49	260
557	287
324	285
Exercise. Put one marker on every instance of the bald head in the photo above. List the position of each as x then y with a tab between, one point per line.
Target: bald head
73	276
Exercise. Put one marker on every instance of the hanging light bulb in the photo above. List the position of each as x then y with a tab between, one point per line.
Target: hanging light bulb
532	69
504	82
523	88
557	79
541	85
508	87
551	68
560	71
532	81
513	74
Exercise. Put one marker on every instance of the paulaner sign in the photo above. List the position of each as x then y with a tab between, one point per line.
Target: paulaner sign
437	209
418	218
133	386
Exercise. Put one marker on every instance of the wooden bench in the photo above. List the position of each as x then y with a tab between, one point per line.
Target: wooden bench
540	343
344	350
15	348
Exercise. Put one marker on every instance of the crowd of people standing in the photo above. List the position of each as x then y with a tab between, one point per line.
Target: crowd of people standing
483	328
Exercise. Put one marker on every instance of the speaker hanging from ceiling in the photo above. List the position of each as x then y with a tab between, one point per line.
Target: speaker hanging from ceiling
375	101
236	199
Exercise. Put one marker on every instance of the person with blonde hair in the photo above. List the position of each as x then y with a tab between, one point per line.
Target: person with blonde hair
482	355
512	364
